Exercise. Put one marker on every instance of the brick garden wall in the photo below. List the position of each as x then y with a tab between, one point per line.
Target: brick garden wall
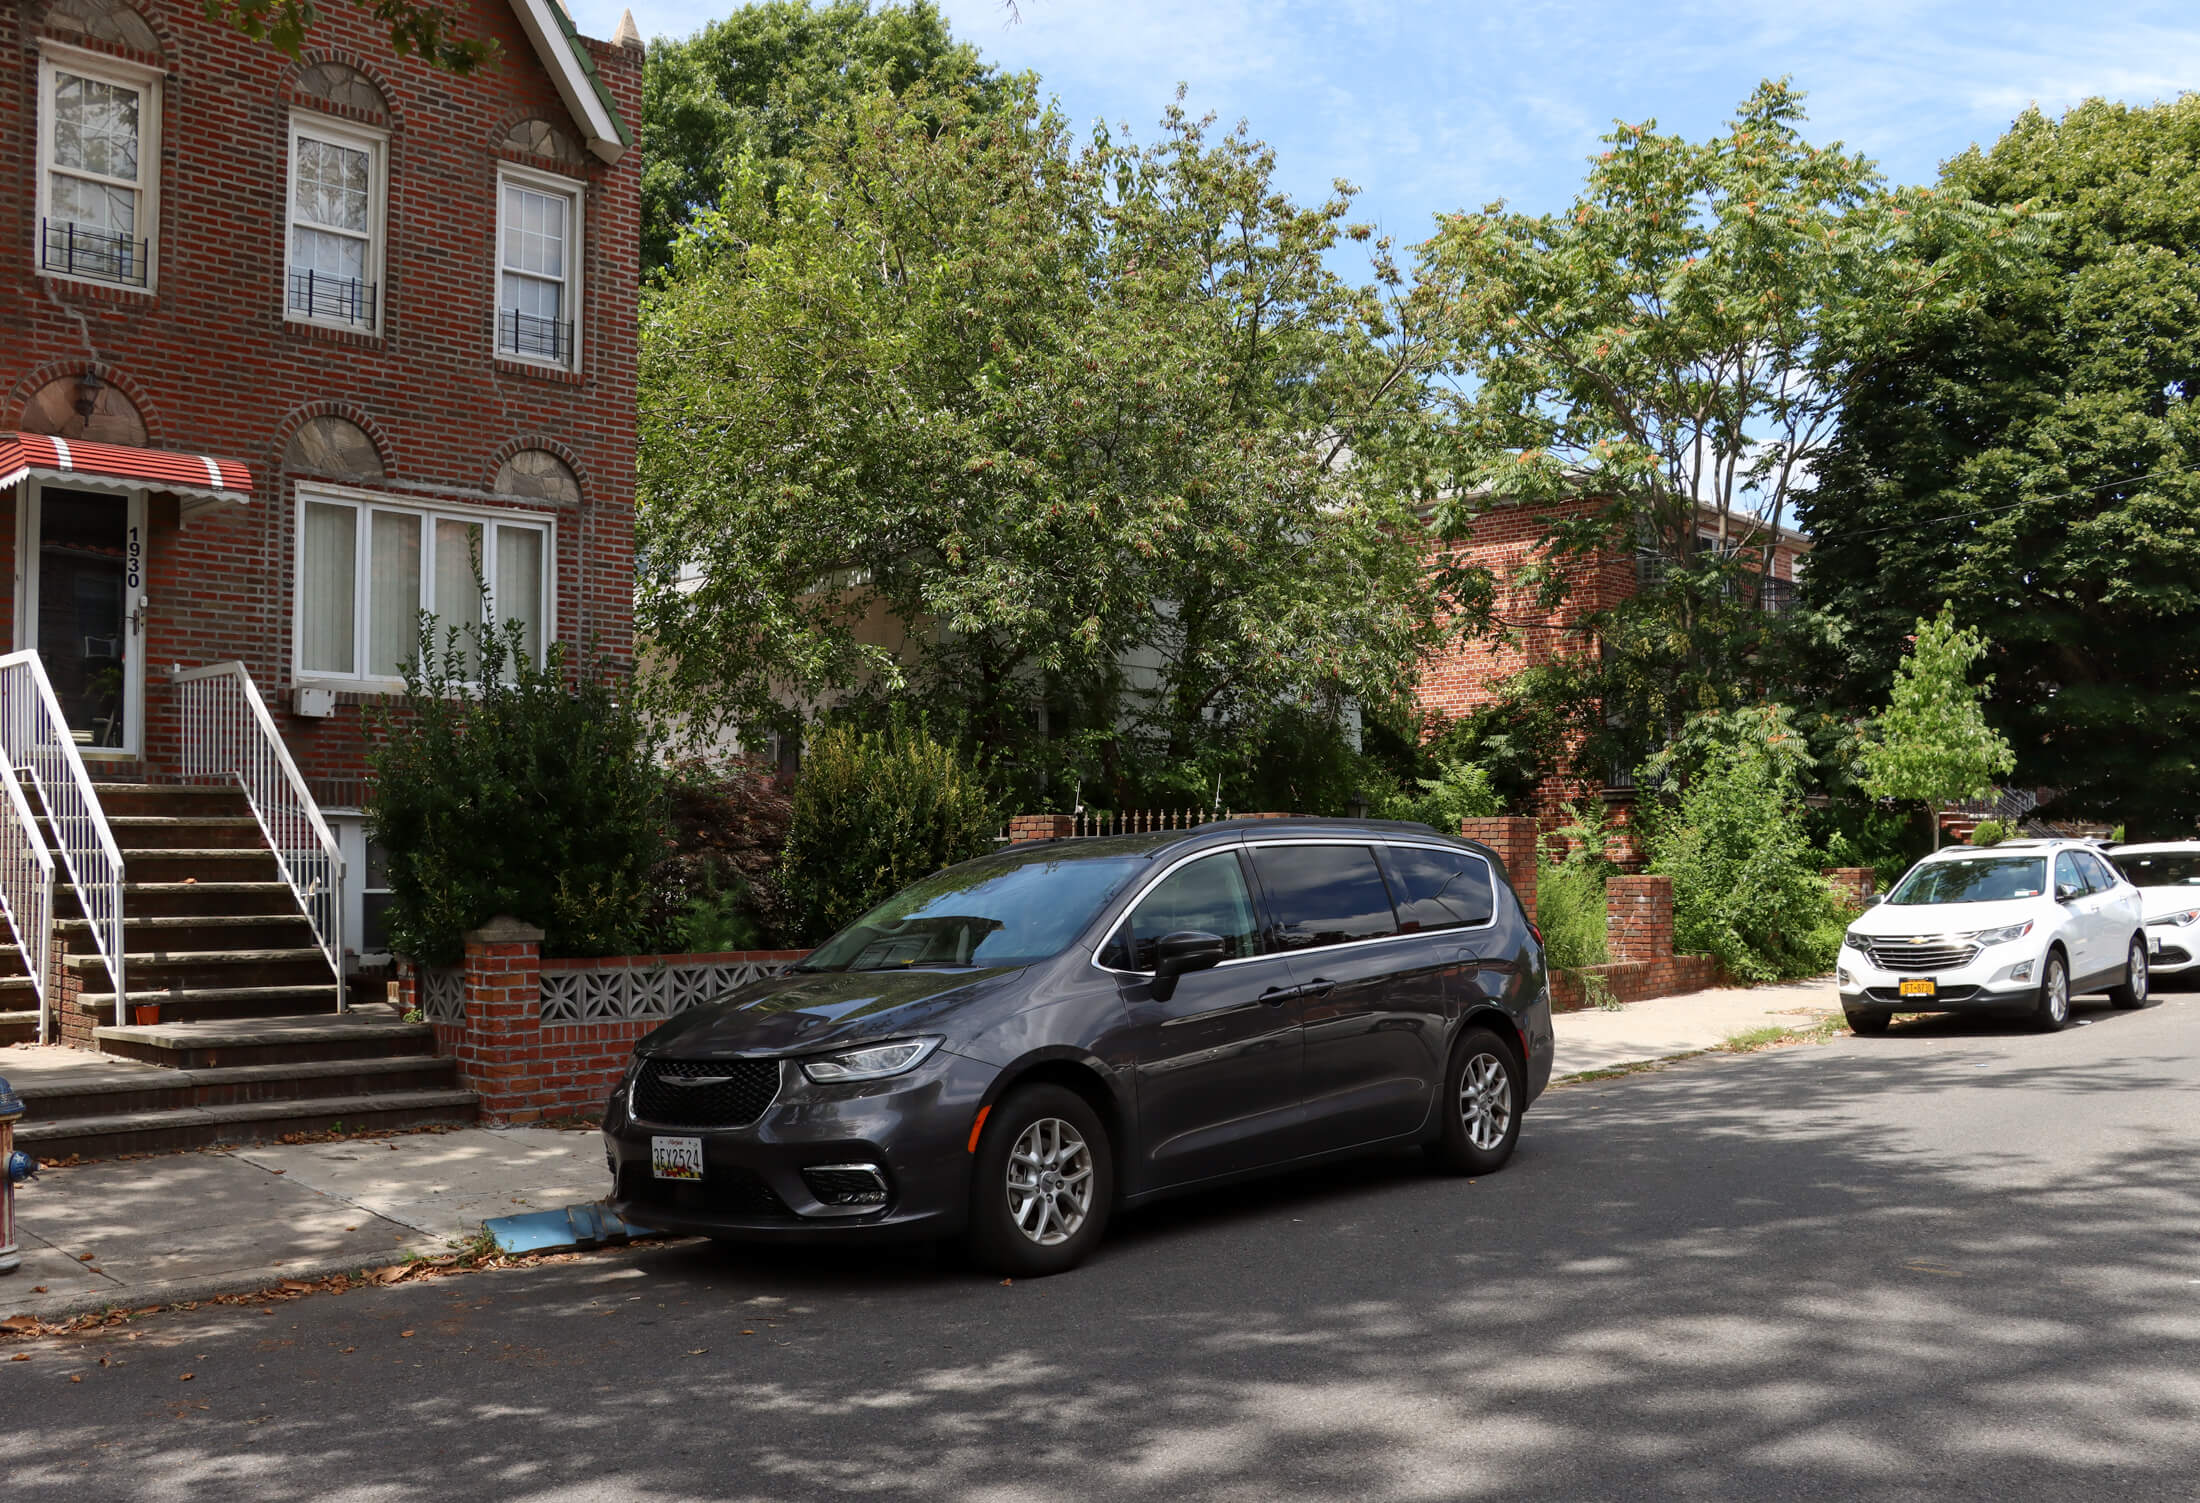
211	364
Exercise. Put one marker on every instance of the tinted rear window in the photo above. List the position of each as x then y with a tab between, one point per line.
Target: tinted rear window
1440	889
1324	894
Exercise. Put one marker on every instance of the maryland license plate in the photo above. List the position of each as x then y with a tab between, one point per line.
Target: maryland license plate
1912	986
676	1158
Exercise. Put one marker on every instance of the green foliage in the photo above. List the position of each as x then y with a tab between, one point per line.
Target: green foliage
1518	740
1991	832
975	414
717	886
427	32
770	80
2034	464
1932	743
1746	881
1570	905
500	787
1460	790
873	811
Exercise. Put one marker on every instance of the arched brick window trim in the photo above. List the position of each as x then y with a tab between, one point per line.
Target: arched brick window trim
133	25
531	122
298	417
548	445
156	436
387	116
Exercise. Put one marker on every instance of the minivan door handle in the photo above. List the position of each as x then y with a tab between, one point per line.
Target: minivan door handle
1276	996
1320	986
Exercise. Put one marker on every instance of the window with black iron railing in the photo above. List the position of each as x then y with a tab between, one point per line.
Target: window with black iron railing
83	250
533	338
332	299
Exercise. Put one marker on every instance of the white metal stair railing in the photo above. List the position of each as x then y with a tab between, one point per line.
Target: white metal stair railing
228	734
34	736
26	887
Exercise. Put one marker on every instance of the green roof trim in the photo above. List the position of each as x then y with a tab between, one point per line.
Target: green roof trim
588	66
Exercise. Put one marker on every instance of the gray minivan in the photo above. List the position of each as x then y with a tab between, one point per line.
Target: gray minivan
1012	1048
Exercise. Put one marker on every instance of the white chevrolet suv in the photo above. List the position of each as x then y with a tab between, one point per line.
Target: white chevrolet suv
2167	875
2017	927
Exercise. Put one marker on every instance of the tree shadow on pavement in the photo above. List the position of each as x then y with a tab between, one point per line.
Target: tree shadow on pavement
1950	1266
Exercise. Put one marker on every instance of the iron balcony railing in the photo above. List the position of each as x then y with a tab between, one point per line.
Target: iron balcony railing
344	300
228	736
35	737
82	250
26	886
535	338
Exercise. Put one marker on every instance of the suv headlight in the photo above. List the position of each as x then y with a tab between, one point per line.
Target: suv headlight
2181	920
2002	935
871	1062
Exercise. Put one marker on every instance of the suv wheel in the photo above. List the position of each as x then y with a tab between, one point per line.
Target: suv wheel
2133	993
1043	1185
1869	1023
1483	1100
2052	1010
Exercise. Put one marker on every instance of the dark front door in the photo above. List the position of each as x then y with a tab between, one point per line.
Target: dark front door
86	622
1373	1013
1218	1058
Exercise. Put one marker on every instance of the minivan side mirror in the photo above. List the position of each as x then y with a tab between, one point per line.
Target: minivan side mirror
1185	950
1874	900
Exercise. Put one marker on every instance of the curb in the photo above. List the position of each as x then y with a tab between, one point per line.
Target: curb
207	1286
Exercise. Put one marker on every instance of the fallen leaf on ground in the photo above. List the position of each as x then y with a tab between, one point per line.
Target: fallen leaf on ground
404	1333
19	1323
20	1357
76	1377
296	1286
278	1171
186	1377
86	1257
351	1349
38	1288
748	1333
698	1351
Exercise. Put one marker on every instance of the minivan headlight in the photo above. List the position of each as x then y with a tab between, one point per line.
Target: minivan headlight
871	1062
2002	935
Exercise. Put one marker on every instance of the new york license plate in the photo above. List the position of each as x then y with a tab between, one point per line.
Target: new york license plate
676	1158
1919	986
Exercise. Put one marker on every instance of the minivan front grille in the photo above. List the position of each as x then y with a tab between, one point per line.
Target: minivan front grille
1922	953
705	1092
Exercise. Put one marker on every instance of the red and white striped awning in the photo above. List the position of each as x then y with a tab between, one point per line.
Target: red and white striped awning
198	476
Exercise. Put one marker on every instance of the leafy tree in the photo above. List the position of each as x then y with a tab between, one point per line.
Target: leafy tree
979	414
759	85
428	32
1932	742
1667	359
2036	463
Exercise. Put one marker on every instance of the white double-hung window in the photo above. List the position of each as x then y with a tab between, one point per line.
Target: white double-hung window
538	268
367	569
99	168
337	201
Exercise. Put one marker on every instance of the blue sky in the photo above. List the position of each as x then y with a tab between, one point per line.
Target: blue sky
1432	107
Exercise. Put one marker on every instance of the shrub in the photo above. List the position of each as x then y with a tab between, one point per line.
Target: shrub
717	887
1460	790
502	787
873	811
1746	882
1991	832
1569	892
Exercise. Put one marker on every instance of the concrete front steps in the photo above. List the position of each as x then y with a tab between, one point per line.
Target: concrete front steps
180	1085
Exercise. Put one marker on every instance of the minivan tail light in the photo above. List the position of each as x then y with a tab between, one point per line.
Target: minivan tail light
1535	933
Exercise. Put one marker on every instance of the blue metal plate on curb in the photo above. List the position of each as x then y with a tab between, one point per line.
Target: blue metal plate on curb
589	1225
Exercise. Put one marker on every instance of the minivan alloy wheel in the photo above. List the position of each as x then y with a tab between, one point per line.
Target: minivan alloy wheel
1050	1181
1485	1100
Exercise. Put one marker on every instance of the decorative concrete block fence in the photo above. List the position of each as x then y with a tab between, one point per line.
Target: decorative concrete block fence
538	1038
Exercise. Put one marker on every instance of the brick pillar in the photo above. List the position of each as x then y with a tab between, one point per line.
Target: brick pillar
1513	839
1623	847
70	1026
1638	917
1853	884
1027	827
500	1048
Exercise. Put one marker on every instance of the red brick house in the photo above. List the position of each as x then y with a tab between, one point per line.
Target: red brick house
290	351
1466	676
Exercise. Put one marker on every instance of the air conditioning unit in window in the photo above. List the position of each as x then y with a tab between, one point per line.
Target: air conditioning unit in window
312	704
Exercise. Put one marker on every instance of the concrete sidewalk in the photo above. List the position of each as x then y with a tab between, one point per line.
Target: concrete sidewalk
188	1225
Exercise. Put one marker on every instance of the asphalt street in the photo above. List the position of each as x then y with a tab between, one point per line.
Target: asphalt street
1961	1261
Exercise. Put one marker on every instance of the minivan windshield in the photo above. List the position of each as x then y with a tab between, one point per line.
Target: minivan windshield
997	911
2160	868
1974	879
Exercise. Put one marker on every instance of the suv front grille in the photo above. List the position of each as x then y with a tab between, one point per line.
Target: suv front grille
1924	953
705	1092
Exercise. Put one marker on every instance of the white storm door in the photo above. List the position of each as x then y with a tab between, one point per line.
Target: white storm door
81	603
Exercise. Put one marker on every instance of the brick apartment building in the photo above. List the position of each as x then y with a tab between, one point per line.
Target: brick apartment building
288	348
1467	676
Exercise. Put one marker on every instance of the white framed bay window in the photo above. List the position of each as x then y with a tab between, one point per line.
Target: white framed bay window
337	205
538	268
368	567
98	167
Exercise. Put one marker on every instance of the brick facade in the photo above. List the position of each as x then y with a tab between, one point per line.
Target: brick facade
1638	917
1853	884
210	364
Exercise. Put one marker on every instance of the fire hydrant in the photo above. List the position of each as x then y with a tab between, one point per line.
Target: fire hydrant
14	1168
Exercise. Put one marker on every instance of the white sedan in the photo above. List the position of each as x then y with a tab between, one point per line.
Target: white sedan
2167	874
2019	927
